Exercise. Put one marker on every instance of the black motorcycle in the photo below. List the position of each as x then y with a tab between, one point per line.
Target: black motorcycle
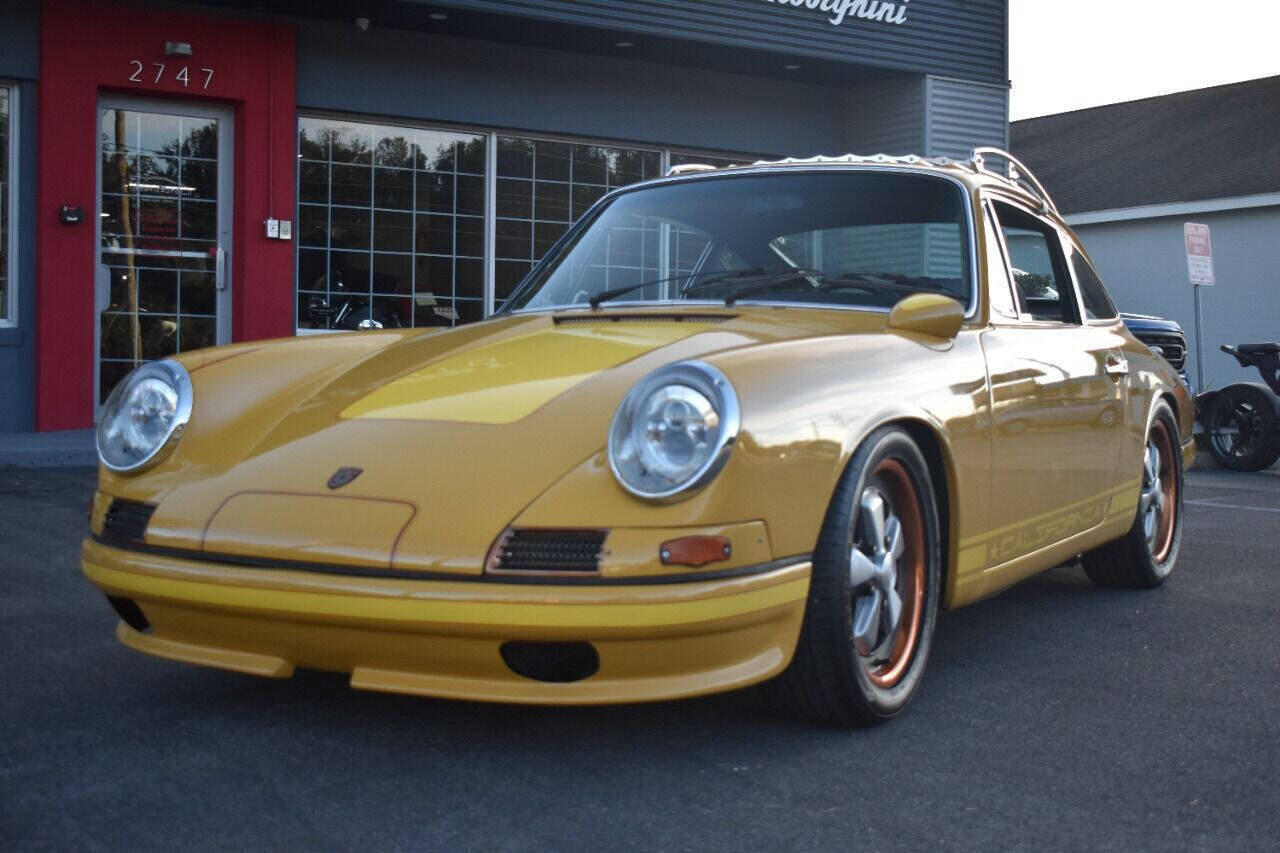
347	310
1242	420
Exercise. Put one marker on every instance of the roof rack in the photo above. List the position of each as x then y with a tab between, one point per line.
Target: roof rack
1017	174
852	159
689	168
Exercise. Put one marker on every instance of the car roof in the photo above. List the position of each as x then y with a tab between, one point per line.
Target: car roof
974	172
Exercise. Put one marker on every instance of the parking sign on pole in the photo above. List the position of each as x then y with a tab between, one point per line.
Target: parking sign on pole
1200	271
1199	253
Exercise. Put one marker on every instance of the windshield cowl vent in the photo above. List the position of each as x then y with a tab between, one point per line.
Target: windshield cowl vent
674	317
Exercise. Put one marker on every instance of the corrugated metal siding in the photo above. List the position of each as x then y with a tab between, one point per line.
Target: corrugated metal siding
20	39
961	39
885	117
962	116
878	248
472	82
942	253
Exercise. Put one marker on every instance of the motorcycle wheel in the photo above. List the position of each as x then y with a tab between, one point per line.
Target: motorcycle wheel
1241	425
368	318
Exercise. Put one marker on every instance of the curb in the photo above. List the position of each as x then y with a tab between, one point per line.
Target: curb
48	449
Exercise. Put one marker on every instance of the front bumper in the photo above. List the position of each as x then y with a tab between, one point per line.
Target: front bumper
443	638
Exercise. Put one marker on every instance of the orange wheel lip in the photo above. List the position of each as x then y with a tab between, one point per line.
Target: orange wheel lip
905	501
1163	544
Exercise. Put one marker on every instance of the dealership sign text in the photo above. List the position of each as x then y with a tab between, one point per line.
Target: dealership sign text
870	10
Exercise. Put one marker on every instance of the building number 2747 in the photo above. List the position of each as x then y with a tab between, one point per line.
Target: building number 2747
183	76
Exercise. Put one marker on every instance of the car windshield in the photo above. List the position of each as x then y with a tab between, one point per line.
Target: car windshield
845	238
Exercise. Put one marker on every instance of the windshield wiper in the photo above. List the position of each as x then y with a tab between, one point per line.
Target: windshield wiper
757	279
606	295
835	280
885	281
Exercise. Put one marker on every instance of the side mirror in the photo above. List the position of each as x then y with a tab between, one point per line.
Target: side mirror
929	314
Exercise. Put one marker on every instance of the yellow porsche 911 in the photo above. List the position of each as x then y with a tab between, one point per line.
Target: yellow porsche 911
746	425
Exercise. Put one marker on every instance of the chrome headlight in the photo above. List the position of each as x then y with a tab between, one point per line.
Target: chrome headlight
673	431
145	414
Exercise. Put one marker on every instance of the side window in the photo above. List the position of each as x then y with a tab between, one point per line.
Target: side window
1040	277
1097	302
999	291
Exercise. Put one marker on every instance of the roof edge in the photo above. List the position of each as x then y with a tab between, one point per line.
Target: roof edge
1177	208
1147	98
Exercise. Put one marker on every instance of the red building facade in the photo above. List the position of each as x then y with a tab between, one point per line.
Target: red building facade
90	51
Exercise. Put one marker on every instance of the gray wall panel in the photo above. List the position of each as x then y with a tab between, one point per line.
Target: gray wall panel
420	76
964	39
962	116
20	39
1144	265
885	117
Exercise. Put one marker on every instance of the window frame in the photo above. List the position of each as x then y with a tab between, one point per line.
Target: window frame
490	135
1061	262
992	220
969	246
1072	247
10	320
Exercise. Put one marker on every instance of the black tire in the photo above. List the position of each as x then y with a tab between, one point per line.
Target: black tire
1143	559
1241	427
829	681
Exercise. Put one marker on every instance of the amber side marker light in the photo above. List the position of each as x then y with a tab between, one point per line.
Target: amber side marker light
694	550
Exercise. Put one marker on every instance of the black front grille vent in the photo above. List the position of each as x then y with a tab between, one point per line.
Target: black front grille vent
572	552
127	520
1171	346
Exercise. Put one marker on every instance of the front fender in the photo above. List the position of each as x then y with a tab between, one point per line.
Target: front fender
806	406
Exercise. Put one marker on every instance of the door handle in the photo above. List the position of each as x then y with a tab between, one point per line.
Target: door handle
220	268
1116	365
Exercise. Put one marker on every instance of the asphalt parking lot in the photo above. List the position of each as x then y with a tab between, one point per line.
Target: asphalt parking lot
1054	716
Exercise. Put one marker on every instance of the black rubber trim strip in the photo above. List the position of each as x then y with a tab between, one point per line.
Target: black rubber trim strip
410	574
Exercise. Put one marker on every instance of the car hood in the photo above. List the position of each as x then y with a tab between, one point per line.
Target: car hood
446	436
1150	323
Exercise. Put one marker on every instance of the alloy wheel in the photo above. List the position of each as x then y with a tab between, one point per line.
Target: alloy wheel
1158	503
887	573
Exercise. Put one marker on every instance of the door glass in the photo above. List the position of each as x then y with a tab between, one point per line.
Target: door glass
158	213
1035	258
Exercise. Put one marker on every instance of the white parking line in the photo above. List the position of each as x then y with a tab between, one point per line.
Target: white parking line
1217	505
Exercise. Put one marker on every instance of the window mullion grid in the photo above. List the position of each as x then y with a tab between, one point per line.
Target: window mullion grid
490	220
453	236
373	213
328	229
413	230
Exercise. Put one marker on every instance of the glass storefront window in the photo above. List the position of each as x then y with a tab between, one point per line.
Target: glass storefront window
390	225
6	187
392	219
545	186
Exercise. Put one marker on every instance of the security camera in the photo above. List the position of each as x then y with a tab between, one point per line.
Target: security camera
362	24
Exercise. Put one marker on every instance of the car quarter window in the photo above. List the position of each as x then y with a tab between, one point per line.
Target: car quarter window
1096	301
999	291
1041	281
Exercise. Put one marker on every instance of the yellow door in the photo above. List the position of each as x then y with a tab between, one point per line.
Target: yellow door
1057	395
1057	425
